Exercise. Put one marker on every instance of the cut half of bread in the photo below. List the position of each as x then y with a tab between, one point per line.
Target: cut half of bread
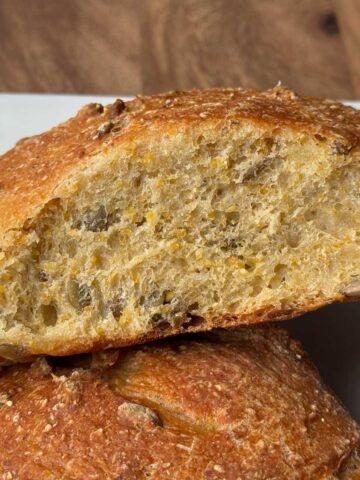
182	211
237	405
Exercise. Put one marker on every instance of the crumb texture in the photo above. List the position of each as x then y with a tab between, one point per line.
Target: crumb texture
178	212
246	404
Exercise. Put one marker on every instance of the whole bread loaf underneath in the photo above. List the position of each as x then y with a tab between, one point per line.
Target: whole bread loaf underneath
178	212
244	405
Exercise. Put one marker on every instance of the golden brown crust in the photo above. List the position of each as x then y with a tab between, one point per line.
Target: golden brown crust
34	167
245	404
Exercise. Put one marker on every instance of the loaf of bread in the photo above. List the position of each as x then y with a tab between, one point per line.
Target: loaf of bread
178	212
224	406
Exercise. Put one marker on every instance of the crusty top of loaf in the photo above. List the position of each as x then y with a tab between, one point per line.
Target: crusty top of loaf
244	404
35	166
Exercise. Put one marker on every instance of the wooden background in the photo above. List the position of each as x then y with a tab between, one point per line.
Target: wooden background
145	46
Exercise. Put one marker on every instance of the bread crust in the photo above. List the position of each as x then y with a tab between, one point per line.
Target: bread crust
245	404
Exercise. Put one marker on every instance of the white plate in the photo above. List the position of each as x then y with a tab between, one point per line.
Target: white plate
331	335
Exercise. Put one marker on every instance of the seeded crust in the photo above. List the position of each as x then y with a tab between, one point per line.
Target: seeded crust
52	304
247	404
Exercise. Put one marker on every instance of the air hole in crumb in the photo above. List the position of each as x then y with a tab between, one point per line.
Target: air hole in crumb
279	275
169	297
160	321
116	309
117	306
49	314
221	191
193	320
232	218
138	181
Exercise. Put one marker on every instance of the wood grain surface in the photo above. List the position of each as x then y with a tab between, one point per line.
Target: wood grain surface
145	46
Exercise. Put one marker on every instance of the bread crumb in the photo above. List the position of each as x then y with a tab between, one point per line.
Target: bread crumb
48	427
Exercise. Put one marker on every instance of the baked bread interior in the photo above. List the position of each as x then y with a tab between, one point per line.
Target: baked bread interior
182	211
242	405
